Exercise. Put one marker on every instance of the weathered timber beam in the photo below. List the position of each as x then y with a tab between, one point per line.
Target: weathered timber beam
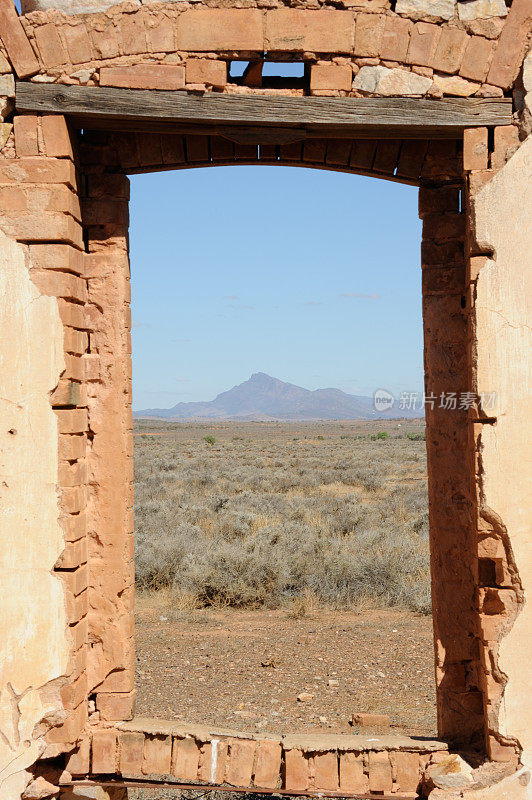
330	116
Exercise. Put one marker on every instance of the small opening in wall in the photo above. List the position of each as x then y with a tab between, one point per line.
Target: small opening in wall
269	74
487	572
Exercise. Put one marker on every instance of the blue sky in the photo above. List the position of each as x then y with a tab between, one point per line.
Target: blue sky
311	276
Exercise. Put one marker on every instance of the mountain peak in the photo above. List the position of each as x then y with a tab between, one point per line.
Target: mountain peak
263	397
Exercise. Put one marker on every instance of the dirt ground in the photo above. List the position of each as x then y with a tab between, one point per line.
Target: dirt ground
246	669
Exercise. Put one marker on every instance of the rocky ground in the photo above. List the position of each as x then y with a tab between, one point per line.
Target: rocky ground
247	669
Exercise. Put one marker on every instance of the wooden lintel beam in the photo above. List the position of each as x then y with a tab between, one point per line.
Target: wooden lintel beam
331	116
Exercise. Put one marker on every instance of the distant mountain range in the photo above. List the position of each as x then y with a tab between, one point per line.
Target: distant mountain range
265	398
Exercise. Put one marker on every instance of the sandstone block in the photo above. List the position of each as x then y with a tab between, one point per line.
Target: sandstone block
320	31
5	127
437	200
267	764
451	773
78	761
352	776
506	142
207	29
56	136
19	49
116	706
57	256
427	10
161	36
144	76
60	284
369	29
297	771
408	773
206	71
104	752
7	85
423	41
380	772
74	525
239	768
395	38
131	747
185	759
72	420
477	57
132	33
157	757
38	170
331	77
50	46
391	82
475	148
26	135
450	50
77	43
455	86
481	9
325	771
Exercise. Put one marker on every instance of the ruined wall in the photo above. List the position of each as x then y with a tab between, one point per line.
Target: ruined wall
503	298
33	623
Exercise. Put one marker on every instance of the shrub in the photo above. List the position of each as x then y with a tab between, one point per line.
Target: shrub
210	440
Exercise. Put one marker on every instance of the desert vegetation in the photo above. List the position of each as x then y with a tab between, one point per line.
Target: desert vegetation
278	515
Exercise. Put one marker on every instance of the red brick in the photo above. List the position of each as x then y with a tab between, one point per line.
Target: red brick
477	58
75	341
73	475
205	763
297	777
131	746
475	148
506	142
70	731
450	50
334	77
74	555
104	751
511	45
207	29
185	759
38	170
161	37
77	582
267	764
57	256
74	315
144	76
352	776
116	706
207	71
369	29
104	37
72	420
408	773
60	284
26	135
320	31
396	38
437	200
77	43
78	762
239	769
157	758
133	34
380	772
423	41
56	136
50	46
16	42
325	771
74	525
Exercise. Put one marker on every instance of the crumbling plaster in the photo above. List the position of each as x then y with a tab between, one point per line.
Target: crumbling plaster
33	624
503	210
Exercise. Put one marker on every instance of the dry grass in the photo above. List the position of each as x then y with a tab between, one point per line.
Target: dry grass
283	515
